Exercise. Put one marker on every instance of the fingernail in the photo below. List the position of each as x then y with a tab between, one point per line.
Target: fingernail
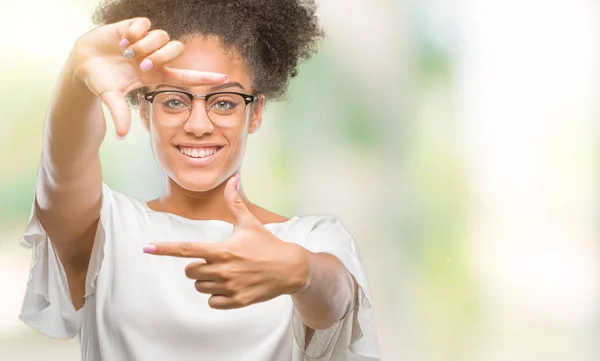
119	137
149	248
123	44
226	79
236	182
146	65
128	53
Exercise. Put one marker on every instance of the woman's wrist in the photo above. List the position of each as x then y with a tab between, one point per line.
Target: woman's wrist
74	78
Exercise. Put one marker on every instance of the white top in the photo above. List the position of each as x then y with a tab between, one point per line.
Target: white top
140	307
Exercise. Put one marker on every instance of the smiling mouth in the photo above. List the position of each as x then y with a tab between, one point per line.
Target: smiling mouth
197	153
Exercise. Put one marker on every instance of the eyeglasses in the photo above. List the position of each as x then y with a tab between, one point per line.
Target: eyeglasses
174	107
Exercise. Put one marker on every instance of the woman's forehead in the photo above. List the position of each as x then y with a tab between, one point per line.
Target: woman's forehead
231	86
207	54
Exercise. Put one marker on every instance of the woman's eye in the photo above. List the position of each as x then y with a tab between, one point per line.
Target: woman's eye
223	105
175	103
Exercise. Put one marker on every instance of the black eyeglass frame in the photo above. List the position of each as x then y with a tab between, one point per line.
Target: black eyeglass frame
247	99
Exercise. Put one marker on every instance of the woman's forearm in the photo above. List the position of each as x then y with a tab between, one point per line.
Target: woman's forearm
74	128
69	185
329	294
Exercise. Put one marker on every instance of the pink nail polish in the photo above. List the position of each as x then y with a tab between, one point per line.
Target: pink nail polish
149	248
236	183
123	44
146	65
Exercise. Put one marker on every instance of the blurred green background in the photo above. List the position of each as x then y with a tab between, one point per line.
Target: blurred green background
457	141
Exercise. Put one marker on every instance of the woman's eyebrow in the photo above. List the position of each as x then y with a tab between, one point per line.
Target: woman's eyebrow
228	85
170	86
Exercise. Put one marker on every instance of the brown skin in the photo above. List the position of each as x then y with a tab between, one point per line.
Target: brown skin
68	192
197	192
252	265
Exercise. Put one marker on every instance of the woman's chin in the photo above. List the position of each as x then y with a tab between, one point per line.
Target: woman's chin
197	183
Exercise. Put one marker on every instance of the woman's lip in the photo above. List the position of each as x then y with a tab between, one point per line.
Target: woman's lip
198	146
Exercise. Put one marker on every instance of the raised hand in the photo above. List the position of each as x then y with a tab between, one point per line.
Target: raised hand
251	266
115	59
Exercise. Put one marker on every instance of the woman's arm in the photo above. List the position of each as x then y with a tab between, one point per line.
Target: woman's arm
330	292
69	185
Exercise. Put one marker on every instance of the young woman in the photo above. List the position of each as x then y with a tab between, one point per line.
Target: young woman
201	273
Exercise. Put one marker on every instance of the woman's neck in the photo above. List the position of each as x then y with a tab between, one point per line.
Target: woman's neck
195	205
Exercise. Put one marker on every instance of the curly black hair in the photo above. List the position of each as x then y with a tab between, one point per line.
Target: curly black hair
271	36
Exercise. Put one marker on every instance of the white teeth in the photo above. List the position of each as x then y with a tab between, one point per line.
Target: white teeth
198	152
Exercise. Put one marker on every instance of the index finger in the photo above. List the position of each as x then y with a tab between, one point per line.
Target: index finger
206	251
187	78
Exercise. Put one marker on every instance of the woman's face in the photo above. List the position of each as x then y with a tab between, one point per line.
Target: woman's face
199	155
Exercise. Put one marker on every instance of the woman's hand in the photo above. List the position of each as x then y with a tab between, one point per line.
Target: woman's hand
251	266
114	59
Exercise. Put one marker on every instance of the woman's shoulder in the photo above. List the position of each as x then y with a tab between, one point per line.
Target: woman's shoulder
323	220
117	201
322	228
120	195
267	217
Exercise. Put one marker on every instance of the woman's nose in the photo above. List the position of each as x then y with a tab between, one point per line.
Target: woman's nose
198	123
